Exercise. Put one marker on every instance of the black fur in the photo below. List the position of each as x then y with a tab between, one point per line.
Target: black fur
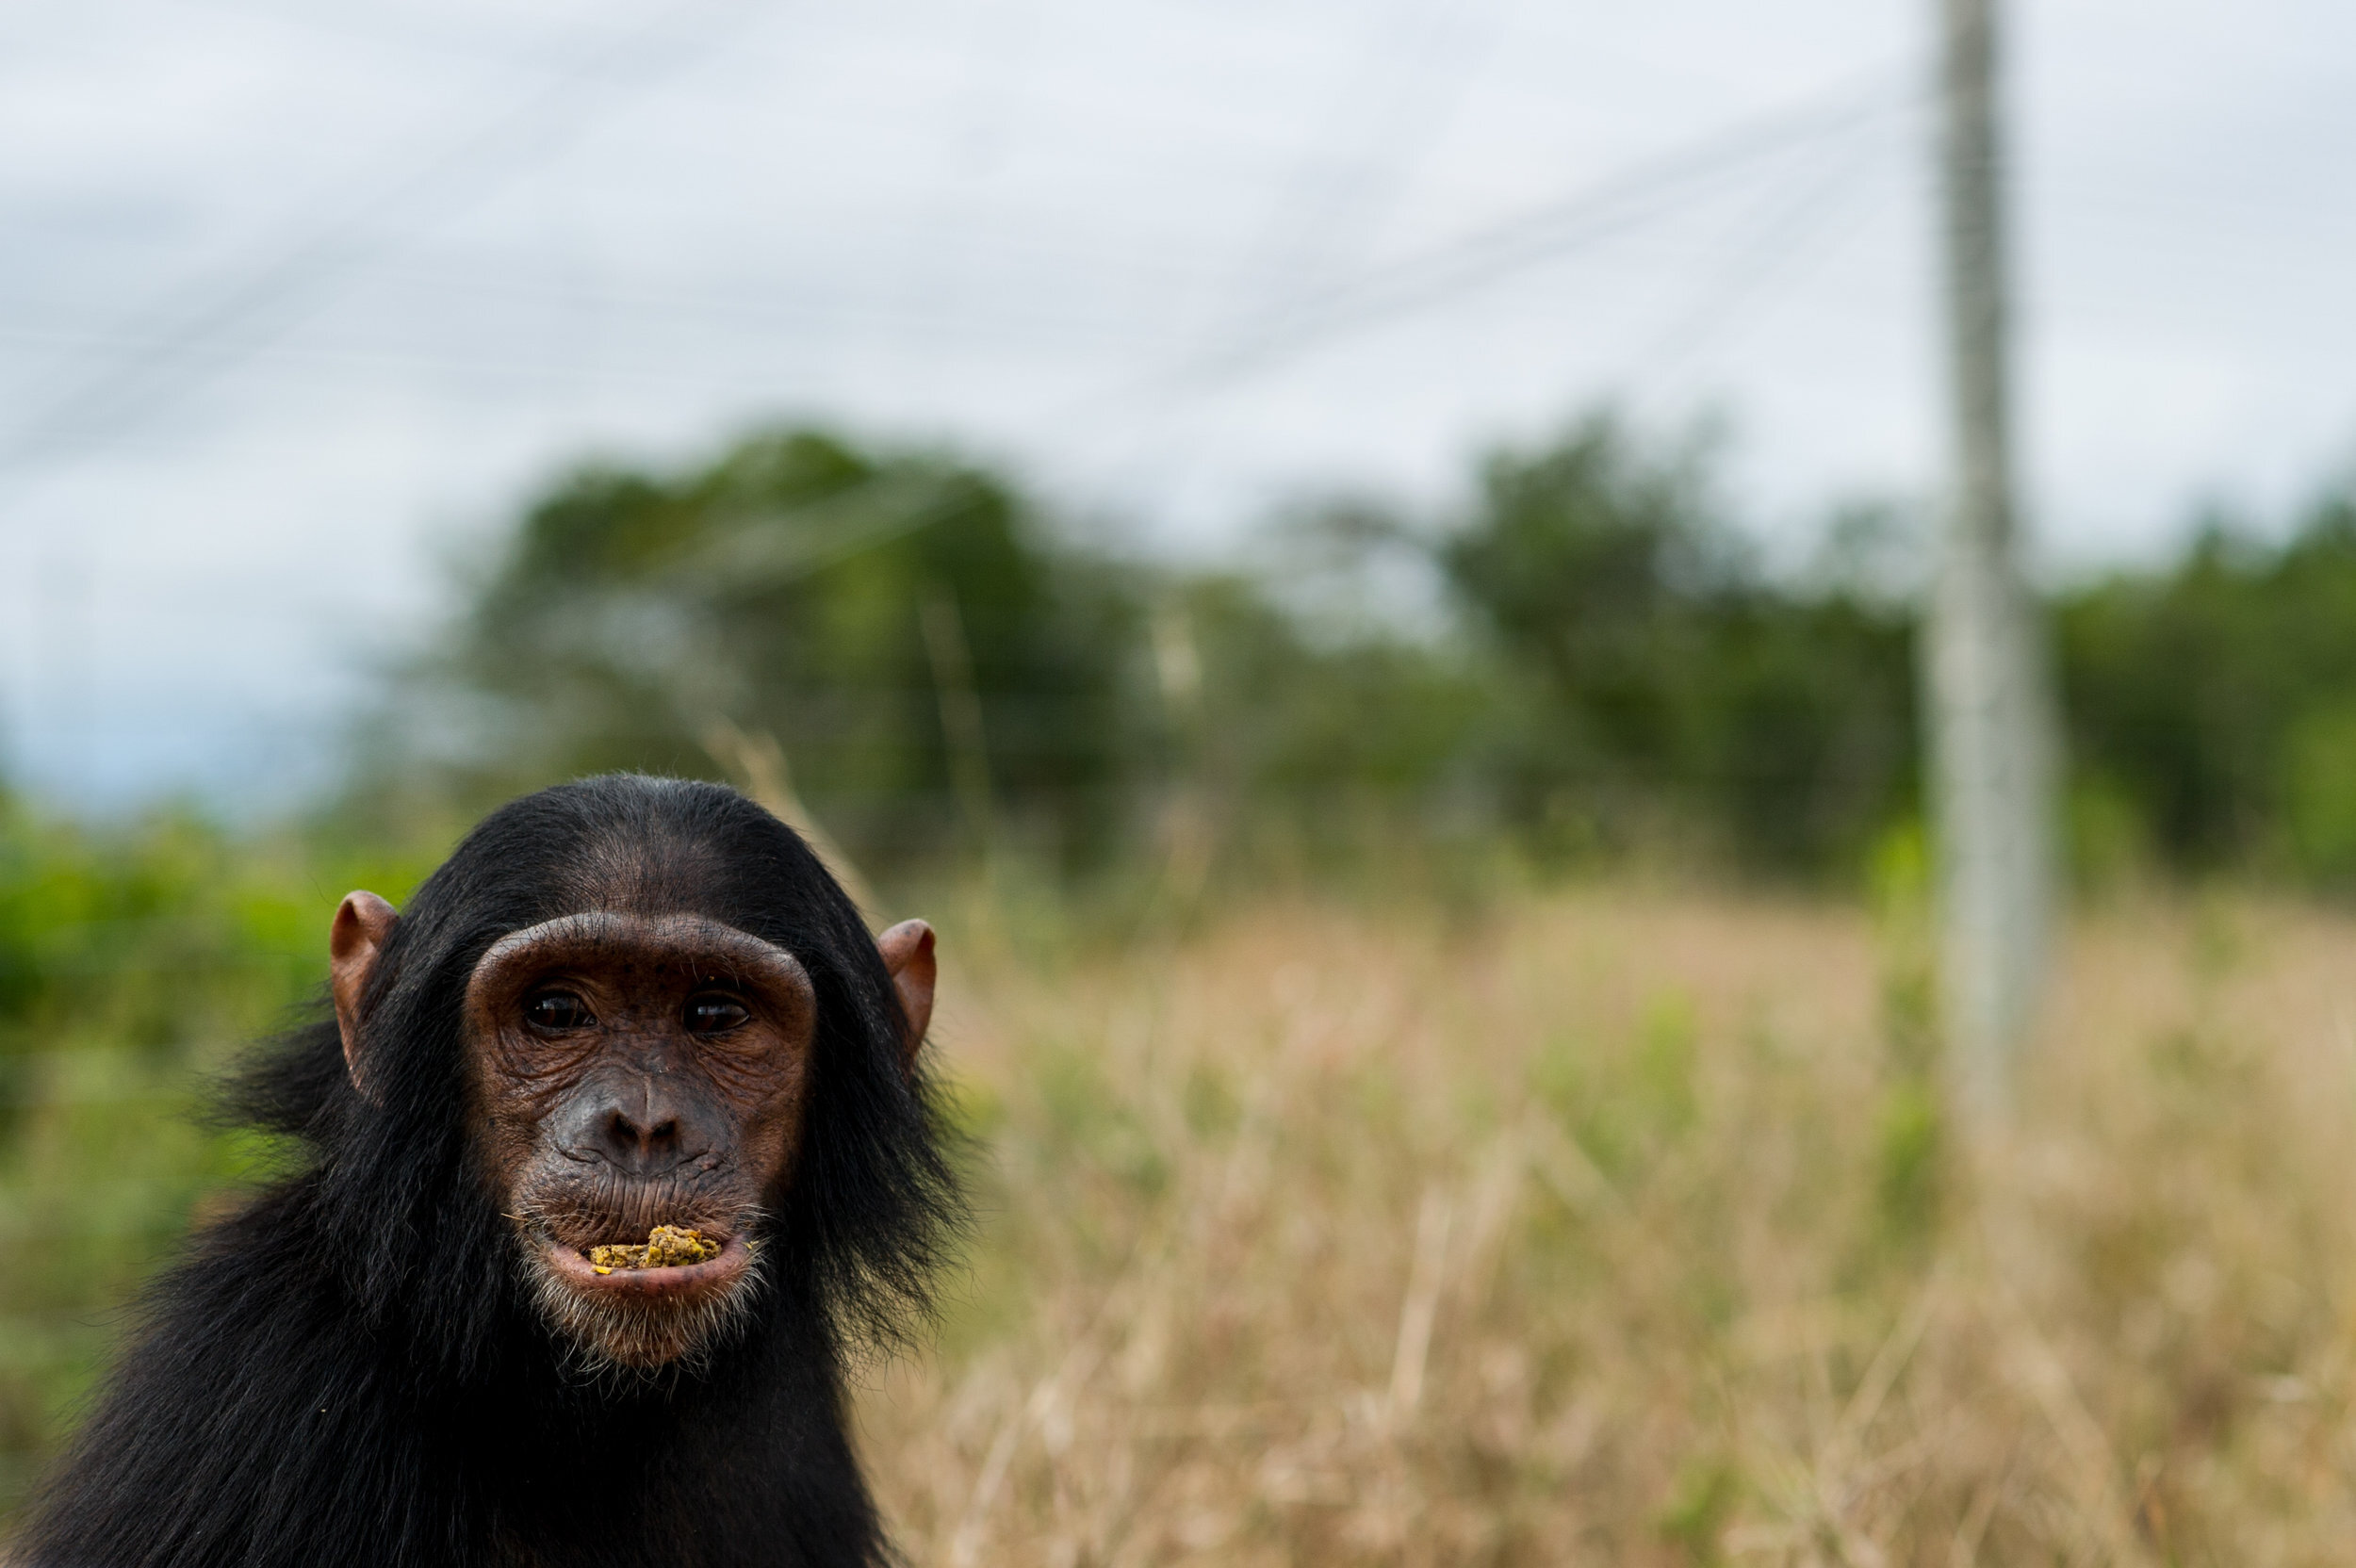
348	1371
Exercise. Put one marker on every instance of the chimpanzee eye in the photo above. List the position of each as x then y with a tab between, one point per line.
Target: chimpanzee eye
714	1015
556	1010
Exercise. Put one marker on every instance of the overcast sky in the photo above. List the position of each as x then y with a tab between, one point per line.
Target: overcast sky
298	301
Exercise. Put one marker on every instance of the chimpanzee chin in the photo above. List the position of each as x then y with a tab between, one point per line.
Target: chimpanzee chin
621	1003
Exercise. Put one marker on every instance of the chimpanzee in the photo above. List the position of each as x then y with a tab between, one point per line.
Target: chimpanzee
621	1002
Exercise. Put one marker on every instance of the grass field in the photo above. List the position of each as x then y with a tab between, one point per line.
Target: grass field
1612	1226
1622	1228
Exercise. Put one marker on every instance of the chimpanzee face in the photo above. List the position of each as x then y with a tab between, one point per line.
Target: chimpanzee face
632	1070
637	1071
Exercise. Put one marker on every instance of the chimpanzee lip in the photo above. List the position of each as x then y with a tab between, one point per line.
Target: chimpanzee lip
671	1279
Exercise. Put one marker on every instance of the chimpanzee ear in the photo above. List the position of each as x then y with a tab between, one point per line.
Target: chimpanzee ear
363	922
908	953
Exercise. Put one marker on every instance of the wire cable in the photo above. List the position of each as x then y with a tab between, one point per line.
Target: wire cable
223	323
1770	252
1590	215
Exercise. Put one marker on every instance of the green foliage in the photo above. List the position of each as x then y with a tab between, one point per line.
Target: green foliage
1661	675
1327	748
1909	1150
2214	693
1910	1142
2319	780
133	963
944	670
947	672
850	605
924	649
1706	1492
1625	1107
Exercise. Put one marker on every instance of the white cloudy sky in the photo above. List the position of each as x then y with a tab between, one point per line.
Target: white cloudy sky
297	299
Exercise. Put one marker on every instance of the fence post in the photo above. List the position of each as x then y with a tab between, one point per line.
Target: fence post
1989	721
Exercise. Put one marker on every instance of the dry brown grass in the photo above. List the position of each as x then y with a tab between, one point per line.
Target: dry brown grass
1615	1232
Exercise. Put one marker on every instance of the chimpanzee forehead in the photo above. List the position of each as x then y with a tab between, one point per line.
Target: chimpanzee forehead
650	876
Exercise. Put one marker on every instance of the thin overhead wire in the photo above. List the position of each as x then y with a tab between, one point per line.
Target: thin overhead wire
1406	88
1594	213
1829	135
218	324
1764	254
1591	214
1408	84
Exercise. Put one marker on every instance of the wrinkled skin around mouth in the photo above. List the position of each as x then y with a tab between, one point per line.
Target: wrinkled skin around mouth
641	1319
637	1317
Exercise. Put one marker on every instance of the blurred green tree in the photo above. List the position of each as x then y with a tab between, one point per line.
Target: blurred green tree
1664	682
2213	695
941	668
896	623
946	672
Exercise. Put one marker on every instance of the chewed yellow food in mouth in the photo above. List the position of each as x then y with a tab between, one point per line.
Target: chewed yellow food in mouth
666	1246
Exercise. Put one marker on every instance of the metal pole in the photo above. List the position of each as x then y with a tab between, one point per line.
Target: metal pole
1991	763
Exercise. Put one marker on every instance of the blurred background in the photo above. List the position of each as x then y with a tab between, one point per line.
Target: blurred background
1362	562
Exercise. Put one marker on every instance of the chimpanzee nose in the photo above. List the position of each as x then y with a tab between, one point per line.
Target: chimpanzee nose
637	1122
639	1140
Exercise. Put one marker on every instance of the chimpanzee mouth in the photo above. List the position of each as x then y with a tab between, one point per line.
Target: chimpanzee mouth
624	1322
622	1277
